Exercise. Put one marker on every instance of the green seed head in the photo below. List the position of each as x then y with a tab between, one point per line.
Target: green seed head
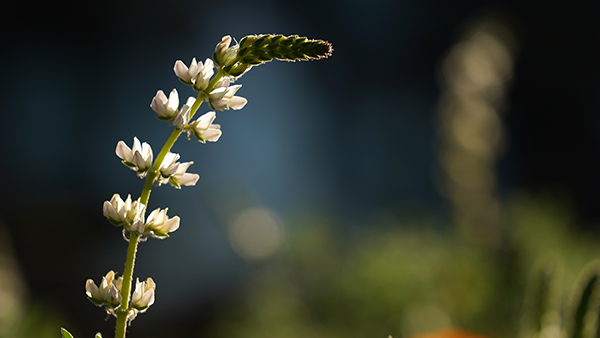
254	50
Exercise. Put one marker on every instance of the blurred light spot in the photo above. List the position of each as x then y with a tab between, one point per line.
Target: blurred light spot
256	233
475	75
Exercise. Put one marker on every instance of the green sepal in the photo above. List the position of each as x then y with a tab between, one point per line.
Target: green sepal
277	39
115	223
216	59
174	183
261	41
164	118
185	82
239	69
96	301
141	308
65	333
160	235
247	41
127	163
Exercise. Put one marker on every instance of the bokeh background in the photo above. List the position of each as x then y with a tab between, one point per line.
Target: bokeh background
407	184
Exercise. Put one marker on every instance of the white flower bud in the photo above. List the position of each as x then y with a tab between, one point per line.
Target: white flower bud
109	292
115	210
202	79
184	73
204	130
181	177
174	173
165	108
91	290
138	227
159	224
120	212
143	296
224	54
223	98
169	165
183	118
138	158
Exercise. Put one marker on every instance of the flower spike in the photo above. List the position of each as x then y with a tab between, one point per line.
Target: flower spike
254	50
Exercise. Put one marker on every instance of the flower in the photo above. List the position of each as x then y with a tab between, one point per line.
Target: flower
223	97
165	108
158	224
169	165
121	212
138	158
109	292
224	54
143	296
184	116
181	177
204	130
175	173
184	73
197	74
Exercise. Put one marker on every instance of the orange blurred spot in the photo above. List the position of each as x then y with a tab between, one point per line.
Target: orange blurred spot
450	333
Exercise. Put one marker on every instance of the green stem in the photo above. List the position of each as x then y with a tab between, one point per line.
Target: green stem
121	327
153	173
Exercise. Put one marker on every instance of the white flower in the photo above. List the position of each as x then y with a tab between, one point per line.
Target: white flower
175	173
165	108
181	177
203	78
138	227
159	224
184	73
169	165
223	97
143	296
224	54
138	158
121	212
197	75
204	130
109	292
184	115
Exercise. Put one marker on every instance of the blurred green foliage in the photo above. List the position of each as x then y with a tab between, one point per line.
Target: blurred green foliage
405	277
396	279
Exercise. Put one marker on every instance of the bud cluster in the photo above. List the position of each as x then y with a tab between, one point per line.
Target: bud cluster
130	215
108	294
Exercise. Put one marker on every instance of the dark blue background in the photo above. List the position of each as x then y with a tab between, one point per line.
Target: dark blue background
351	135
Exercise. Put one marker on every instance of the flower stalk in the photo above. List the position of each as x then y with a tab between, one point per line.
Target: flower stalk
115	294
